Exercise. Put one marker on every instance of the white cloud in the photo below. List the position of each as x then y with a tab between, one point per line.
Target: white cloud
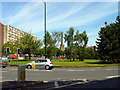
85	17
26	19
90	34
26	13
63	16
61	0
30	16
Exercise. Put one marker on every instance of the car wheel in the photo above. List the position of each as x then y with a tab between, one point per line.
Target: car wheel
29	67
3	66
47	67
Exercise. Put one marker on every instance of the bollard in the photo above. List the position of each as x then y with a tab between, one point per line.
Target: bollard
21	73
33	64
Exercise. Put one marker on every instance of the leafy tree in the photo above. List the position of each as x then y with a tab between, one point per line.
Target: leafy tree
52	41
39	52
28	45
109	42
90	53
81	40
60	52
69	38
56	40
49	45
12	47
75	44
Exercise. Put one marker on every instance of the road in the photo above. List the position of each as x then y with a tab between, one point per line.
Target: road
10	74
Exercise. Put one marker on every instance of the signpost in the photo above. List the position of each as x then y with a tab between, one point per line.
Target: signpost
18	52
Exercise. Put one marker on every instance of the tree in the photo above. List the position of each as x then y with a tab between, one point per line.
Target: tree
70	50
90	53
12	47
81	40
60	52
56	39
109	42
49	45
39	52
28	45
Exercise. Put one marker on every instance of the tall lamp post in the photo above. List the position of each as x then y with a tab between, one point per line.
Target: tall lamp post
119	9
45	25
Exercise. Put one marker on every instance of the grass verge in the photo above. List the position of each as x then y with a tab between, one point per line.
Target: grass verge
66	62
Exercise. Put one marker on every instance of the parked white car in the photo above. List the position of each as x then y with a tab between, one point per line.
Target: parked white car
41	63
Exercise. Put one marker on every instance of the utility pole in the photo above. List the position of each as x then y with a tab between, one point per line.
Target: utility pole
119	9
45	25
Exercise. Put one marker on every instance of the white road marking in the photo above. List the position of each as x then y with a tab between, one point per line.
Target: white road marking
111	69
83	70
3	71
45	81
37	70
85	81
113	76
76	70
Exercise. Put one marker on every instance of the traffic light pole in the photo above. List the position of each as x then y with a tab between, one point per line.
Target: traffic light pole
18	52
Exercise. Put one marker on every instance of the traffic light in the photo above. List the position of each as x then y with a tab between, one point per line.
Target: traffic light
7	50
18	51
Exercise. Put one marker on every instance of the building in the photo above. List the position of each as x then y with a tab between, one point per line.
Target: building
1	37
62	44
94	48
9	33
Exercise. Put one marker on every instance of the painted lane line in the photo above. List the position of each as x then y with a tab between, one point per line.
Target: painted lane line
76	70
3	71
40	70
83	70
113	76
70	84
111	69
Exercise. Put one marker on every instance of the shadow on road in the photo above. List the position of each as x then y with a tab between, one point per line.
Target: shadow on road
30	85
108	83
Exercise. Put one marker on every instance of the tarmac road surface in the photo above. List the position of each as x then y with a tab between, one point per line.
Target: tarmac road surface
73	78
10	74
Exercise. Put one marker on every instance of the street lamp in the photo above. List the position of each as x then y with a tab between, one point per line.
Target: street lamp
119	9
45	25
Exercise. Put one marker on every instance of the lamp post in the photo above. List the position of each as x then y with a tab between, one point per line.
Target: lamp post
45	25
119	9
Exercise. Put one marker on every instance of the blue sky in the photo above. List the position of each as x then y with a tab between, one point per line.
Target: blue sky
88	16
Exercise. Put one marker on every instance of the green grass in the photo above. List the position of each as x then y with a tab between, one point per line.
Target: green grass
86	62
20	62
66	62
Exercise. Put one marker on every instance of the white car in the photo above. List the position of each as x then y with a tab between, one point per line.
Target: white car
41	63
